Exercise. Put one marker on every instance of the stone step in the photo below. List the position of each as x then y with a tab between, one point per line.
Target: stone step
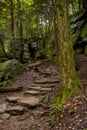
2	108
44	81
15	110
29	102
13	99
44	85
31	92
46	72
4	116
41	89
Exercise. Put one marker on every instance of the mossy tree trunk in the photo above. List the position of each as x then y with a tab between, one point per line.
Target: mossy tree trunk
68	76
20	31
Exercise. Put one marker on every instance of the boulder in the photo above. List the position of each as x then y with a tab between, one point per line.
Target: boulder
10	69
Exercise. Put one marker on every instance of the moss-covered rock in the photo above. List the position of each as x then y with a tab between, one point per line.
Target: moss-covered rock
9	70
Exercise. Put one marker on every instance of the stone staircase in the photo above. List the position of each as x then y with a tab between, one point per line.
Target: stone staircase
36	95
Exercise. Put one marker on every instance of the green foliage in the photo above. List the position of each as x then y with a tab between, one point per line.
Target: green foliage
75	37
84	33
57	106
9	70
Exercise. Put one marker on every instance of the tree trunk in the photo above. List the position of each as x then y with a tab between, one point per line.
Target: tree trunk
12	17
20	32
80	4
54	14
84	2
68	76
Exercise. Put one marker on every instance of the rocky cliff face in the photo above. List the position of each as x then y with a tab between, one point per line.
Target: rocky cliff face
79	32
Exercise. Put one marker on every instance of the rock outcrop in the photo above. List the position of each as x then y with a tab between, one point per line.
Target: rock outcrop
79	32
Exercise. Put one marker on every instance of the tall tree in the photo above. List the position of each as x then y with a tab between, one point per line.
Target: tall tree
20	31
68	76
12	16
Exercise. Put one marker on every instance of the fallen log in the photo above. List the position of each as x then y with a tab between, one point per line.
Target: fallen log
10	89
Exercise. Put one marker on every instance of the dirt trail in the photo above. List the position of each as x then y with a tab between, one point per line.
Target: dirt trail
30	109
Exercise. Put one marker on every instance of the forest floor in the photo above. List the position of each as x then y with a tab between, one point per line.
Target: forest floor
30	108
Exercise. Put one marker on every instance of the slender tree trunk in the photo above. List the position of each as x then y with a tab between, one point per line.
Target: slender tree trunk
2	46
5	54
84	2
80	4
12	17
54	15
20	33
68	76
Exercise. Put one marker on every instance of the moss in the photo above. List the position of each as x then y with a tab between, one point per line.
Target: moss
68	92
10	69
55	59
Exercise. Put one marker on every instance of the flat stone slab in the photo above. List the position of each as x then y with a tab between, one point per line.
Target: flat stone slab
1	121
13	99
31	92
44	81
29	102
4	116
3	108
46	89
46	71
41	89
44	85
15	110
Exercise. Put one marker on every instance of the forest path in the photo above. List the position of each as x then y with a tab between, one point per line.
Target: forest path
30	109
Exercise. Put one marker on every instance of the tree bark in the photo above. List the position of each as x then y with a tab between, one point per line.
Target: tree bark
68	76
